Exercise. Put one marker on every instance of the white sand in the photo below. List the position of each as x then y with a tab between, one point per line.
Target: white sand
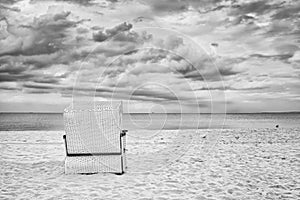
244	164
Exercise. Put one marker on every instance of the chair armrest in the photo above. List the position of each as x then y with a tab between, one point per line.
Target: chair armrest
123	133
66	146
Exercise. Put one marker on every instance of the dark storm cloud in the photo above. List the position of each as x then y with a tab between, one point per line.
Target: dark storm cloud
9	88
39	86
244	11
121	33
113	50
32	62
232	88
119	40
156	94
194	75
211	69
258	7
152	95
5	77
46	60
46	79
114	95
228	71
8	8
36	91
278	28
212	9
41	43
202	75
147	55
202	68
9	2
132	36
243	19
67	56
161	6
15	71
81	30
287	48
175	6
142	19
23	76
281	57
45	35
79	2
290	12
103	35
140	94
8	66
50	87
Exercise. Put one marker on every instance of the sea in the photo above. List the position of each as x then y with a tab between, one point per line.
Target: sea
154	121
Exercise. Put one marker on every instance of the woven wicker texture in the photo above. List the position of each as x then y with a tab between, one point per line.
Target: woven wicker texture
93	128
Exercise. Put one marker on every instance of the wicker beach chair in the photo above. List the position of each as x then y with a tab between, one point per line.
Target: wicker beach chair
94	139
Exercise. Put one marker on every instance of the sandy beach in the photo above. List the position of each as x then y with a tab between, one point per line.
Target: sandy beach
208	91
216	164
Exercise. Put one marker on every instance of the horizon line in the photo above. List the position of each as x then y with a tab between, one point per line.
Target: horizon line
263	112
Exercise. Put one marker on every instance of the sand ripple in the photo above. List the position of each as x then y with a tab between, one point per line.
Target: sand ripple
243	164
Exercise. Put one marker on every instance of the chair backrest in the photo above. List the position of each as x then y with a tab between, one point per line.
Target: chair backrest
93	127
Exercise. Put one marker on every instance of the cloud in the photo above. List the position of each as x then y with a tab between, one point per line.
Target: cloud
103	35
7	8
45	35
172	42
289	12
19	70
133	94
44	51
5	77
109	50
41	61
22	74
164	7
208	68
279	27
39	86
9	86
119	40
172	53
78	2
282	57
228	71
10	2
287	48
8	66
224	88
47	79
141	68
295	59
164	95
257	7
81	30
81	2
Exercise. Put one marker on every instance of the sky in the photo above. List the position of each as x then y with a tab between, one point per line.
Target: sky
215	56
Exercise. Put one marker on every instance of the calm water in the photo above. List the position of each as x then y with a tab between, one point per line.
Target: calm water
54	121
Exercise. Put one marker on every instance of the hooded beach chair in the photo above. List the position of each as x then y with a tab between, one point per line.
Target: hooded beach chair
94	139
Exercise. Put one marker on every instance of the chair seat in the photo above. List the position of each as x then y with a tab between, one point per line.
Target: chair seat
93	164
